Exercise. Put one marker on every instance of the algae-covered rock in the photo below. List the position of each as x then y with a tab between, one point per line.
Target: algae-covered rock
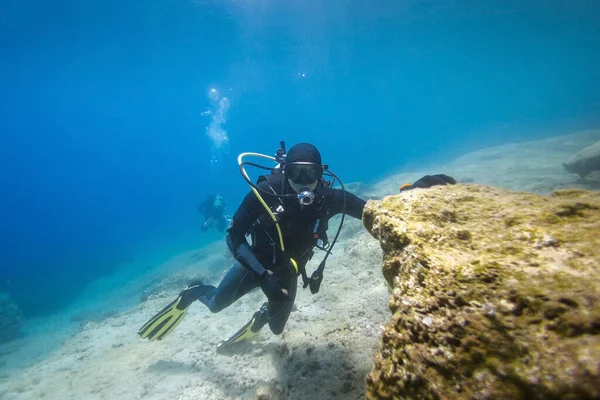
496	294
585	162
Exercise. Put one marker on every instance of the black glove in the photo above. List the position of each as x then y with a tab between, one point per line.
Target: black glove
273	288
428	181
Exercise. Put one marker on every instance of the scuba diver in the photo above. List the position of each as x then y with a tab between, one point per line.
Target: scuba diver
287	215
213	209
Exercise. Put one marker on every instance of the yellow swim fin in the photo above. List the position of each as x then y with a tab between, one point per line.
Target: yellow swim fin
163	323
249	331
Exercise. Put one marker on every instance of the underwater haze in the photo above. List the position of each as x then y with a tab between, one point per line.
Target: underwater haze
117	118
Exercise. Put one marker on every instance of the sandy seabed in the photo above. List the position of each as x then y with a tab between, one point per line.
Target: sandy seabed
327	347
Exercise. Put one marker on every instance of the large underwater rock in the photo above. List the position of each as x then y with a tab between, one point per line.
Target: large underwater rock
585	162
11	319
496	294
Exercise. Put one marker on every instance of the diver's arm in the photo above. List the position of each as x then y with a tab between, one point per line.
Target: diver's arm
244	255
248	212
202	207
354	204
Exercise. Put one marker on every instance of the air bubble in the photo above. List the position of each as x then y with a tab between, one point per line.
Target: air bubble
213	95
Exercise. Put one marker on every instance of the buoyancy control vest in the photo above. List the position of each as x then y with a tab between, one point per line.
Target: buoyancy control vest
307	223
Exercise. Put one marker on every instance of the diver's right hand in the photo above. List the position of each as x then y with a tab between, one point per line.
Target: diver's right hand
273	288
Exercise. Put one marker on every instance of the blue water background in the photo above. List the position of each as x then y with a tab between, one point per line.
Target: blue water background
103	150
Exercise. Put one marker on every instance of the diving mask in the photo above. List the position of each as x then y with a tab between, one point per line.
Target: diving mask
303	172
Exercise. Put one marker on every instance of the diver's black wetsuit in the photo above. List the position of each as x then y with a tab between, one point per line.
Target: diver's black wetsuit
297	225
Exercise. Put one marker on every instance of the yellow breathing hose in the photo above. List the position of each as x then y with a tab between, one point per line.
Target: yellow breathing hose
262	201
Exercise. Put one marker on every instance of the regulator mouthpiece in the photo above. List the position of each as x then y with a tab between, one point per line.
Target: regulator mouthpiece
306	197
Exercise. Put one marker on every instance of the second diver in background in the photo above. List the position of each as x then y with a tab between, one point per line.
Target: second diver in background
213	209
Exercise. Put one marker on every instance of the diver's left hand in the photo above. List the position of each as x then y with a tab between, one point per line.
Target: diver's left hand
428	181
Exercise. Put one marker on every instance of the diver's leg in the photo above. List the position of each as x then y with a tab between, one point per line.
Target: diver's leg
237	282
274	313
279	311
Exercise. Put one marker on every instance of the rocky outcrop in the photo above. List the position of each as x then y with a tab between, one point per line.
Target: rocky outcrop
11	319
585	162
496	294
